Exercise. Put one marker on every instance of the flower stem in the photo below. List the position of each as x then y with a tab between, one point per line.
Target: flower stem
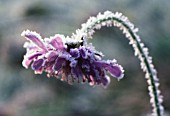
118	20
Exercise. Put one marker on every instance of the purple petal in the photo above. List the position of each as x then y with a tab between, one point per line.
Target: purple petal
52	57
38	64
83	53
105	81
76	71
85	66
73	63
114	70
75	53
94	72
34	56
35	38
59	63
57	43
28	59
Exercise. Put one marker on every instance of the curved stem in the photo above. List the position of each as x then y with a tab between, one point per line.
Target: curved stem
118	20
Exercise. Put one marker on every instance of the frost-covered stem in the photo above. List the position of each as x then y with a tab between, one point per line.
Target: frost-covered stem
118	20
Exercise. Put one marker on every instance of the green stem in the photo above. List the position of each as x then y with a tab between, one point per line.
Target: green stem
149	68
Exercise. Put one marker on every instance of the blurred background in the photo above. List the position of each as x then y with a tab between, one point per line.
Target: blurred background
22	93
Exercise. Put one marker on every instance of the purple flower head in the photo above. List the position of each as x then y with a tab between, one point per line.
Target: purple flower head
68	59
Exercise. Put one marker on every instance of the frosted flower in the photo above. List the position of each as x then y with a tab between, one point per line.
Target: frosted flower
73	59
68	60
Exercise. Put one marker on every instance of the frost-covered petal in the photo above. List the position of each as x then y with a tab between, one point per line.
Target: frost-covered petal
51	56
112	67
114	70
38	64
35	38
57	42
26	62
34	55
29	57
59	63
75	53
83	52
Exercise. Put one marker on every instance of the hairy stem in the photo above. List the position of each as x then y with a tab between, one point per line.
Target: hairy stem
118	20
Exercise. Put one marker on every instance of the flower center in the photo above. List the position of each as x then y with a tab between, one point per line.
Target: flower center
73	45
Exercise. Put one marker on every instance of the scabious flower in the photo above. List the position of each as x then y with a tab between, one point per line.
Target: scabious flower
73	59
68	59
